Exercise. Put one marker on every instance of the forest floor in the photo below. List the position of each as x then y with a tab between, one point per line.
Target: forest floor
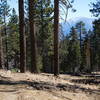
27	86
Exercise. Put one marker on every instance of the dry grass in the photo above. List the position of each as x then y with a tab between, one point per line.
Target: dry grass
18	86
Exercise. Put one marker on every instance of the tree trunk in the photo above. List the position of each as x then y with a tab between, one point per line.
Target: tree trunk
56	37
88	55
1	52
81	38
6	44
22	37
34	68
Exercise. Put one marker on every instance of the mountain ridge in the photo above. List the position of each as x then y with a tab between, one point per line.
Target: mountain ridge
72	22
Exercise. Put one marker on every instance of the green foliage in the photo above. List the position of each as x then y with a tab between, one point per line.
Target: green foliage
96	44
4	8
81	31
74	51
95	10
43	18
63	54
78	51
70	57
44	35
14	70
13	39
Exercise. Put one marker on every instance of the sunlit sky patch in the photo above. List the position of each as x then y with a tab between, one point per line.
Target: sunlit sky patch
82	7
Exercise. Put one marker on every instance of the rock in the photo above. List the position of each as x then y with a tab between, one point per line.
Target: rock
8	72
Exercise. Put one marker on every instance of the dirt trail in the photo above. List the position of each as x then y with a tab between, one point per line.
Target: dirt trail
17	86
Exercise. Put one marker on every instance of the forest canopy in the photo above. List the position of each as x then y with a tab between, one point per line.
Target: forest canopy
34	39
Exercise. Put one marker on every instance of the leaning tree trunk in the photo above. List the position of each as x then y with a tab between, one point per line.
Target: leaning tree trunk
56	37
34	68
22	37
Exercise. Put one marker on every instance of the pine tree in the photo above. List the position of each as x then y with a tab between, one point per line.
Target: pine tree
22	36
74	52
1	49
95	38
34	68
13	40
56	38
43	17
80	26
45	33
87	54
63	54
4	13
95	10
97	44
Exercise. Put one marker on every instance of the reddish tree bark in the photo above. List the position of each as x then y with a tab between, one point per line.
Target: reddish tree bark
34	68
22	37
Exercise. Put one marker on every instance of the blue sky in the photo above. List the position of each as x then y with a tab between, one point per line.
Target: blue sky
13	4
82	7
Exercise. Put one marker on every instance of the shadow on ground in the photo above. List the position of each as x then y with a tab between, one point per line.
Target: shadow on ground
86	81
48	86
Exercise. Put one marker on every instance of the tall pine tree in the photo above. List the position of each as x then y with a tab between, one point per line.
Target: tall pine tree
4	14
56	38
74	52
22	36
34	68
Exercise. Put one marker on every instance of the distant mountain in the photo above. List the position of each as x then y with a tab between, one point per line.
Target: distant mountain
72	22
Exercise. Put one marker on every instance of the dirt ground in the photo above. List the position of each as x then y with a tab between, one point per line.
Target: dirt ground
18	86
